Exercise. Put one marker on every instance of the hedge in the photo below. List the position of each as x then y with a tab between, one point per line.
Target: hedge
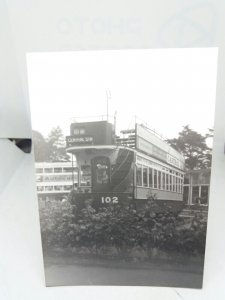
120	230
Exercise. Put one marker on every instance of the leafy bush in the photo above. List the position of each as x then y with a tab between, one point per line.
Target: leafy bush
57	224
120	228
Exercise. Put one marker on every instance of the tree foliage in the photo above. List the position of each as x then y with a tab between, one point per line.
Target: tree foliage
52	148
41	151
57	145
194	148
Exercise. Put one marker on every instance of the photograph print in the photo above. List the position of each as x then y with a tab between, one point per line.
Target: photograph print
123	142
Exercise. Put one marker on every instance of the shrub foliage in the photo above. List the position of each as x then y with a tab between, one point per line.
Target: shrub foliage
123	229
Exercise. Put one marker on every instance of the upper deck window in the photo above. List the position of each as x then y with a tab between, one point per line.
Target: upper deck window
79	131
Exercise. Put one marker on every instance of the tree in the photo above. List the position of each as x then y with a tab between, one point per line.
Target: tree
41	150
194	148
57	145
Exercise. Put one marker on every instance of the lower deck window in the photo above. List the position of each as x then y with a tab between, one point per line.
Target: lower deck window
155	179
139	175
85	175
163	181
145	176
159	180
150	177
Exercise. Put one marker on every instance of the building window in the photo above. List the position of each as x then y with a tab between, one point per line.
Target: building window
204	194
57	170
48	170
67	187
39	170
67	170
195	195
48	188
57	187
40	188
39	178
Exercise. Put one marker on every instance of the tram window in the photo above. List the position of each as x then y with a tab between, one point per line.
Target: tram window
139	175
99	173
163	181
150	177
171	183
145	176
57	170
102	173
174	183
155	179
85	175
79	131
159	180
182	186
179	185
167	182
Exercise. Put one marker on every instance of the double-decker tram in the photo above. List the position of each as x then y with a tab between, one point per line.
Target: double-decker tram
136	166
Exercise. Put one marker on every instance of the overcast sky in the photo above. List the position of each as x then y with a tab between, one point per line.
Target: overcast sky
167	88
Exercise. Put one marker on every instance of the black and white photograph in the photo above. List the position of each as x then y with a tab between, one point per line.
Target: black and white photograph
123	141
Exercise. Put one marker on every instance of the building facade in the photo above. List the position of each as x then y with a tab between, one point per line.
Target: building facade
197	187
54	179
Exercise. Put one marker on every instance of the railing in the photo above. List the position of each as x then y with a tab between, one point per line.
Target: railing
108	118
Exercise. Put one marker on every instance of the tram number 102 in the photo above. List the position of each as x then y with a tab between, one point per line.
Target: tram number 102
108	199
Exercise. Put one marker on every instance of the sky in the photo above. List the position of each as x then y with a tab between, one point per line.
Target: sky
166	88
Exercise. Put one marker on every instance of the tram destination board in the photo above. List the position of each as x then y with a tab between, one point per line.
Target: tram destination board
79	140
90	133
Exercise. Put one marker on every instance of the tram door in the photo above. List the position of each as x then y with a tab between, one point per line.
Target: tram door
100	174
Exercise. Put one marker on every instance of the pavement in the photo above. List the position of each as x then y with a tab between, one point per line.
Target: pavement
70	270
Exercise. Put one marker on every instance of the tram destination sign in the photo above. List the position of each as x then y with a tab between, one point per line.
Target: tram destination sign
79	140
